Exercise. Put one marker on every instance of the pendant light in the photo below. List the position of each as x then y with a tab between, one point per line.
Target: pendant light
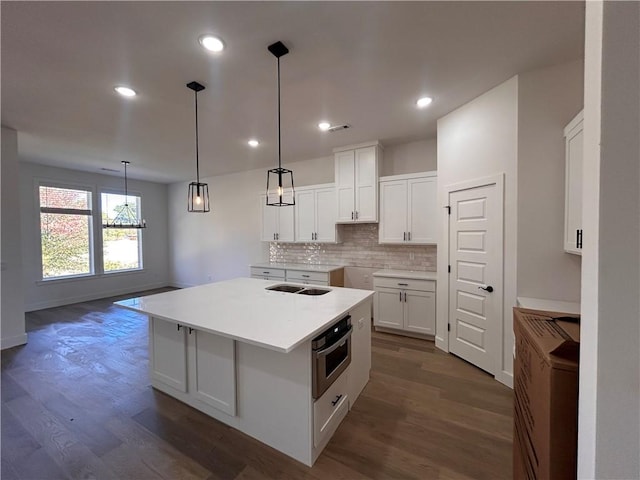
126	217
280	191
198	201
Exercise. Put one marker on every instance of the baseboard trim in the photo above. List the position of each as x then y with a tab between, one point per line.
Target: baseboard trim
505	378
58	302
181	285
13	341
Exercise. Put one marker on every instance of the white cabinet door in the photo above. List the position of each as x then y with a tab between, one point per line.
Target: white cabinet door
573	186
393	212
361	343
325	214
212	370
286	224
366	173
422	211
168	360
305	215
269	219
389	308
345	185
420	312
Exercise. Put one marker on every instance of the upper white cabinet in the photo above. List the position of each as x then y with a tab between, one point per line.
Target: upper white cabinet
357	182
315	214
573	185
277	222
408	209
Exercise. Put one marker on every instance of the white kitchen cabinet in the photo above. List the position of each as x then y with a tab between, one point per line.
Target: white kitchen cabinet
197	363
356	173
408	209
573	185
315	214
268	273
405	305
277	222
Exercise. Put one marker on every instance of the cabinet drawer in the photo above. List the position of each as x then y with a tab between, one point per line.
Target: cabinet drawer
301	275
330	409
405	284
272	273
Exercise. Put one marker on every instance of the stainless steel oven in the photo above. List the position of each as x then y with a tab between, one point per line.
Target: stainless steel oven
331	351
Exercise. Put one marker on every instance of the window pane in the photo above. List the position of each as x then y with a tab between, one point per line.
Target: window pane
53	197
65	244
120	248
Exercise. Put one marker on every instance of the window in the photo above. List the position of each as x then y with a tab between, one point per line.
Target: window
66	232
121	247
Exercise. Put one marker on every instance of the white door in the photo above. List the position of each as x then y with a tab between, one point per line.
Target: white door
325	214
422	217
345	185
389	308
168	355
475	281
393	212
366	185
305	215
420	312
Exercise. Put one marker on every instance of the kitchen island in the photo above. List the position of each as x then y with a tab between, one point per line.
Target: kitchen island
243	355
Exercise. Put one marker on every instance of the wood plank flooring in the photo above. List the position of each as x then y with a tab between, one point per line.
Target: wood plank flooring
77	403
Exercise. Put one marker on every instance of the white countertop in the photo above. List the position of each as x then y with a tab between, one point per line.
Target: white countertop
412	274
549	305
298	266
243	310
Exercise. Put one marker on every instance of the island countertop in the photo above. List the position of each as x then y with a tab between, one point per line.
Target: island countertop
243	310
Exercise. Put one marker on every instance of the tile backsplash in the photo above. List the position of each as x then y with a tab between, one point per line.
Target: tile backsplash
359	248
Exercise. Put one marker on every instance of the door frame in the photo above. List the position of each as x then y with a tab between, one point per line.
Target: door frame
497	343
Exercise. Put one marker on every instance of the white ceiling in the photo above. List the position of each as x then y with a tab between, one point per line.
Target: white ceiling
362	63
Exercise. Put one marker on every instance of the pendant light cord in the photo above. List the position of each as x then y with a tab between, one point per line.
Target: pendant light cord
126	190
197	156
279	139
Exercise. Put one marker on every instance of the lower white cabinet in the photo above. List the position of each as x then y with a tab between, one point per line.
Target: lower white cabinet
268	273
330	409
405	305
195	362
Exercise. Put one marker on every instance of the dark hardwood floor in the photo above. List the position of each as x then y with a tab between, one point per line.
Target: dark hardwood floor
76	403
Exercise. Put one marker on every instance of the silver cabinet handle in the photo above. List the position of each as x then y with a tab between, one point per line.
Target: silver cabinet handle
352	216
400	293
404	236
403	284
306	276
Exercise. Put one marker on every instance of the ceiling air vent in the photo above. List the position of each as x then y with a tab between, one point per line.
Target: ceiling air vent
337	128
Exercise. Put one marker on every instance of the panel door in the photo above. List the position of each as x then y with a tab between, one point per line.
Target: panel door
269	219
573	188
286	225
325	209
168	355
393	212
475	249
422	212
366	172
420	312
305	215
212	370
388	308
345	185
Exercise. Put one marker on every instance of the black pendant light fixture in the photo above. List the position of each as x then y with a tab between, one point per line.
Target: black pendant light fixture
198	201
280	191
126	217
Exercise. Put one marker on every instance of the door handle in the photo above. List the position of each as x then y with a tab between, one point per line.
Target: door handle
489	288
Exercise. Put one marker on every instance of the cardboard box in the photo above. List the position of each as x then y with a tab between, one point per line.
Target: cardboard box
545	440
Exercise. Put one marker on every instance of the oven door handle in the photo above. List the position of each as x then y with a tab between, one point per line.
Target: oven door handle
339	343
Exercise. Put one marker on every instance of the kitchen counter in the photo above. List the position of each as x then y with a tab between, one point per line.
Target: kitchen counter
549	305
412	274
243	310
298	267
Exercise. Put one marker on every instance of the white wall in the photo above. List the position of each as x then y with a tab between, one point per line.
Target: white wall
12	329
155	237
478	140
420	156
221	244
547	100
609	401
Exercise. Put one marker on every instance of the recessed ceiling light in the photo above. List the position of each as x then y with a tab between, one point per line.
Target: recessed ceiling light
324	126
126	91
253	143
424	101
211	43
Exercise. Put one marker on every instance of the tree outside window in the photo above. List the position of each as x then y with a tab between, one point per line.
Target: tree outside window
121	247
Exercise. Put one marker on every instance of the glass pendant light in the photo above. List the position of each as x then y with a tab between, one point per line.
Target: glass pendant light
126	217
198	200
280	191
